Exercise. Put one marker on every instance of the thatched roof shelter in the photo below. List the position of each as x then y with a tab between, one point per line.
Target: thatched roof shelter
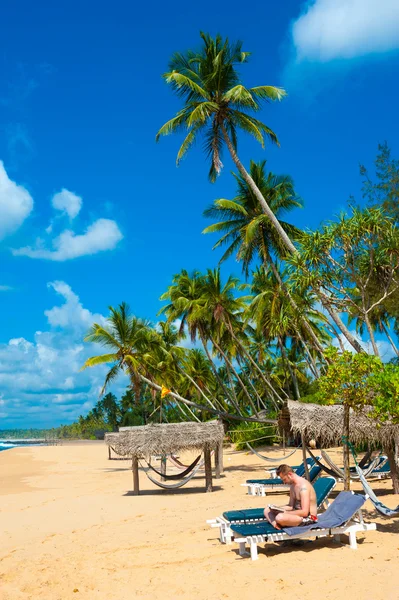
167	438
325	424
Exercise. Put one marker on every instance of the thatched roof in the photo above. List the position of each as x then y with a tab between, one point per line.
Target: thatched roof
165	438
325	424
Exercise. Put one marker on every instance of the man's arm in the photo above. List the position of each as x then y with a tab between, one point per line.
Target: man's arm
291	503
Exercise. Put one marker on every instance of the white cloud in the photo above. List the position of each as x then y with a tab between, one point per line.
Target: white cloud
15	204
103	234
331	29
71	314
40	379
67	202
5	288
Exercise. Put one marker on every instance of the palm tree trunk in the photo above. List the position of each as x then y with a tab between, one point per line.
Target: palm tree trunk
310	359
287	362
371	334
391	454
223	415
236	375
290	246
215	372
258	194
346	448
254	364
385	329
338	337
338	321
294	305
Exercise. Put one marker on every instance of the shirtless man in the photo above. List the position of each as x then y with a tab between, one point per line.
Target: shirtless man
302	504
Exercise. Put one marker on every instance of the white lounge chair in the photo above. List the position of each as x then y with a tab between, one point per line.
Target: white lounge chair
323	488
339	518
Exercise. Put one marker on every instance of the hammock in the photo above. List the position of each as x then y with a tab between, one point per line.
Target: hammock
382	508
365	459
173	486
179	464
176	462
323	467
177	475
263	457
340	473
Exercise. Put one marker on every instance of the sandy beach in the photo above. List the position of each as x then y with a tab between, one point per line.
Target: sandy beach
71	529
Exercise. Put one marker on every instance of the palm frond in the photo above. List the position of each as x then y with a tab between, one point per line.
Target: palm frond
99	360
268	92
241	96
186	85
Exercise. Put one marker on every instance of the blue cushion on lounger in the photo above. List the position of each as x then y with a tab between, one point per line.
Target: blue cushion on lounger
339	512
322	487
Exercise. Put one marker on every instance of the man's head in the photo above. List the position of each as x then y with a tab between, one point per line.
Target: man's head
285	473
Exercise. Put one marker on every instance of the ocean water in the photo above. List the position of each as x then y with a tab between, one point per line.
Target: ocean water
7	446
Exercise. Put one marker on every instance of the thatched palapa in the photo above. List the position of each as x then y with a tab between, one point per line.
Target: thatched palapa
165	438
325	424
168	438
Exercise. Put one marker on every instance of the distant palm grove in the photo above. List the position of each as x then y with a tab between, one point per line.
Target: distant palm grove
237	349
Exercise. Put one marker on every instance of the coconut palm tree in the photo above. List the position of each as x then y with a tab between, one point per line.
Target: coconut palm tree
129	341
247	231
217	104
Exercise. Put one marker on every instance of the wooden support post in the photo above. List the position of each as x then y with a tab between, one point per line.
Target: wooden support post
163	467
283	442
109	452
208	469
135	469
304	457
217	462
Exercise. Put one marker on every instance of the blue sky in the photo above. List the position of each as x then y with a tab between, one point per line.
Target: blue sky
93	212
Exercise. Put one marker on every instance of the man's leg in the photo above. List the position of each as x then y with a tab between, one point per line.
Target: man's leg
270	515
286	519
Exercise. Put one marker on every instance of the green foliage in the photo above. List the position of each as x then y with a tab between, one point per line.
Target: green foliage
257	434
385	385
347	380
384	190
359	380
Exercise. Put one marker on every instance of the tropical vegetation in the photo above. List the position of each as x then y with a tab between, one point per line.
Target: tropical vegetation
237	349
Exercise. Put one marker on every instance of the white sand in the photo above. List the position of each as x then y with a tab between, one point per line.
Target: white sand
70	529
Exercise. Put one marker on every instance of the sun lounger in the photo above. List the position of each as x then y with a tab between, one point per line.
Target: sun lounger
323	487
343	516
299	469
382	471
259	487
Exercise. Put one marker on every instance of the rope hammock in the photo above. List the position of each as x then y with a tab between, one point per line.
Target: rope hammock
321	465
177	475
263	457
176	462
173	486
382	508
340	473
335	471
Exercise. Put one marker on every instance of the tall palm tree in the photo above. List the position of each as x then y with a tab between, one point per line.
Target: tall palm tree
248	231
217	104
128	340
